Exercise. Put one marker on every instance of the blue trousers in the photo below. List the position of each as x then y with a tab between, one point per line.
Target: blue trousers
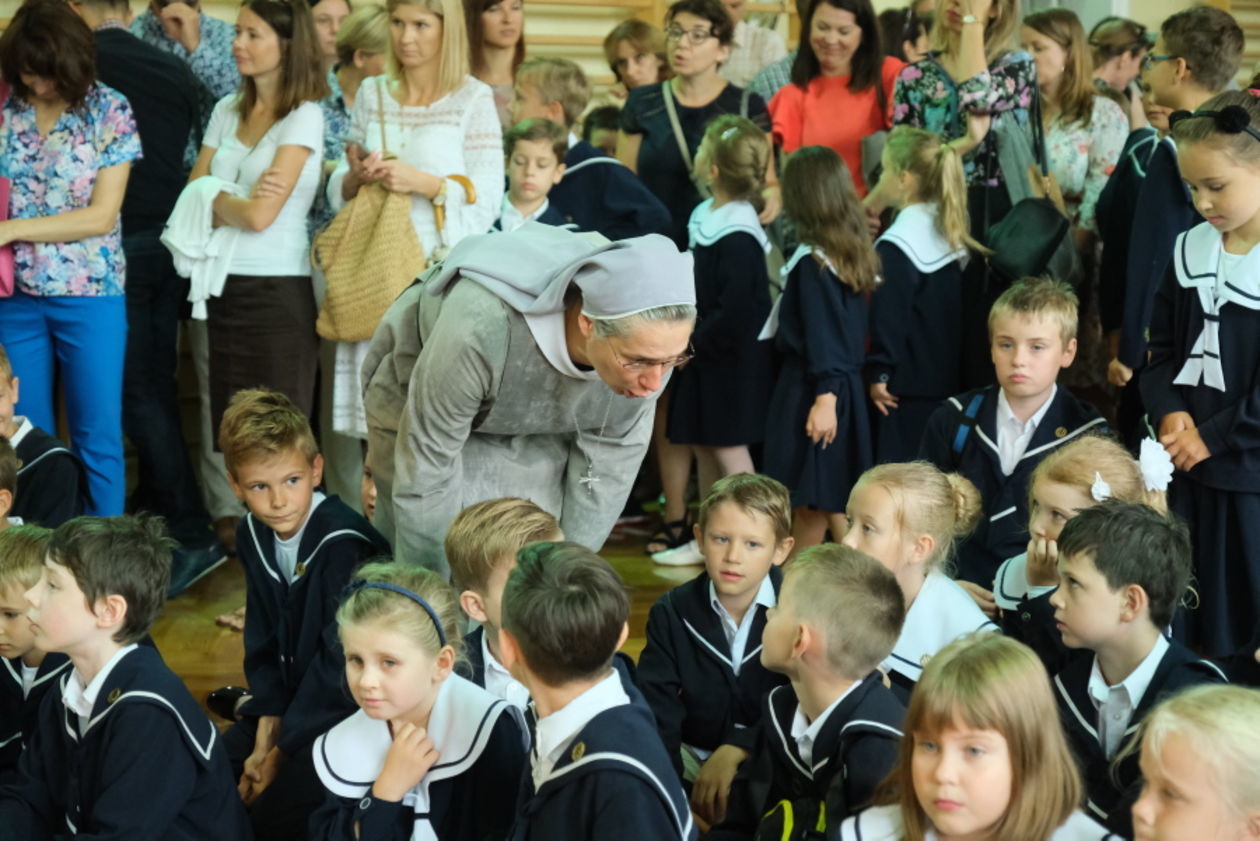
86	339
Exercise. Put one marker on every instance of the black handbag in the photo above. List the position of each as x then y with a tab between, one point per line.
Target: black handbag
1034	238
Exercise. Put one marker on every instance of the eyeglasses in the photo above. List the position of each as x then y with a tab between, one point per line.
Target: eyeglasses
1148	60
694	36
640	365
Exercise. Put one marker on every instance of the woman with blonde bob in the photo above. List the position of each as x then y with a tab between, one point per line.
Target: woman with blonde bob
1200	752
983	756
428	130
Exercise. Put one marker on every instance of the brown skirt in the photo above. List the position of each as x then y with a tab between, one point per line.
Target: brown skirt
262	335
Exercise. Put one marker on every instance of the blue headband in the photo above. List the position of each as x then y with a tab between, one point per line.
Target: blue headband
360	584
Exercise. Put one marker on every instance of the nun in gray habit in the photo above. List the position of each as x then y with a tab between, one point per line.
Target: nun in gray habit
525	364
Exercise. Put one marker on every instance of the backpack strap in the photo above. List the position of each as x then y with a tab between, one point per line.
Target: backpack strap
743	102
968	422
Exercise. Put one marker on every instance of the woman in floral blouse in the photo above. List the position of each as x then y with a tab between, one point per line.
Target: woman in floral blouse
66	144
971	76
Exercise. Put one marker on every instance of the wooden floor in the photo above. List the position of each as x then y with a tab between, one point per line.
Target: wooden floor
207	656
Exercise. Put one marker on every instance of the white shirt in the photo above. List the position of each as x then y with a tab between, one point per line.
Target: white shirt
1012	434
555	732
737	633
283	247
1115	704
806	732
28	679
286	550
510	218
80	699
24	426
752	48
499	681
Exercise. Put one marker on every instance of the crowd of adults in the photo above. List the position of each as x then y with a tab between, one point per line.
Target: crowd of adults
286	115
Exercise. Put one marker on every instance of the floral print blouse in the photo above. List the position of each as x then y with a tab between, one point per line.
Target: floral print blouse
927	97
1083	157
56	174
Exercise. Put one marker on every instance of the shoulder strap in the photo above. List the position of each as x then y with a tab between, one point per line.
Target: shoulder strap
668	95
380	104
743	103
968	422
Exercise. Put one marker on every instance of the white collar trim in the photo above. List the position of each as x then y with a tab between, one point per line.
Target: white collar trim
916	232
707	225
940	613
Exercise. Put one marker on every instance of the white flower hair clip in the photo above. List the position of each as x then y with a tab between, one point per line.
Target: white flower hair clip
1156	465
1100	490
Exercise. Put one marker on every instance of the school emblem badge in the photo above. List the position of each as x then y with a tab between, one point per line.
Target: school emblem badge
579	751
1060	432
114	696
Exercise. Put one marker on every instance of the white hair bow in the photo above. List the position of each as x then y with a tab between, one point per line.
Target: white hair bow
1156	465
1100	490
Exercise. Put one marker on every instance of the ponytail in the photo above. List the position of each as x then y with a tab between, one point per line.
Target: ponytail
939	169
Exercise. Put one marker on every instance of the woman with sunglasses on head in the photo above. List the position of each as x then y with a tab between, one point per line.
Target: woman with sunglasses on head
1118	46
904	35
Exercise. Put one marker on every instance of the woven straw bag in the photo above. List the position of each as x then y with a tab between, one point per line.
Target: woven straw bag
369	254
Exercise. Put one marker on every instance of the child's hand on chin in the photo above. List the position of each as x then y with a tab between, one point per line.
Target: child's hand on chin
410	757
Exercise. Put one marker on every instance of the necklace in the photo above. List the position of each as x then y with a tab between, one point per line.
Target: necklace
590	479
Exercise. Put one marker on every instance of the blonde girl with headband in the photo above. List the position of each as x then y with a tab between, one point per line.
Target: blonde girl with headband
818	438
429	756
1202	384
913	362
719	403
1080	475
1200	752
907	516
983	757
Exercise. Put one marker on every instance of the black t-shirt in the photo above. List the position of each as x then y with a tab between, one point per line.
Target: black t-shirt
661	166
163	96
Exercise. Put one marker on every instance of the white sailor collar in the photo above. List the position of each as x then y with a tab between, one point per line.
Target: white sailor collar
1010	585
941	613
707	225
14	666
916	234
771	327
883	823
1198	264
349	757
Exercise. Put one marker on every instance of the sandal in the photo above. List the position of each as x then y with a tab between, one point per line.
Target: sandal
668	536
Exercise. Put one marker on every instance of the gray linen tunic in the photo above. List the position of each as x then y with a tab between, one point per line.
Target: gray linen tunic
487	415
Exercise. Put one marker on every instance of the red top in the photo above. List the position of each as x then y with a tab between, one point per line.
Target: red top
827	113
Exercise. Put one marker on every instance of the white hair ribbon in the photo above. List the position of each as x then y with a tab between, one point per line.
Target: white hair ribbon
1100	490
1156	465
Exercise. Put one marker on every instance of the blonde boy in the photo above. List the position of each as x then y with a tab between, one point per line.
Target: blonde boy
995	436
299	549
839	615
699	670
481	546
535	150
27	671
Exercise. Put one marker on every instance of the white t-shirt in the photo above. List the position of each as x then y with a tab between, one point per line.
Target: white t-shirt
283	248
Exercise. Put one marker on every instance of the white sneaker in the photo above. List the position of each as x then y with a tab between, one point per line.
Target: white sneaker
682	556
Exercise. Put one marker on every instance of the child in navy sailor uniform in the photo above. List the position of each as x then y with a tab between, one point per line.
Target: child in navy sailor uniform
429	756
913	362
1202	382
996	435
52	477
1205	49
818	438
1200	752
299	549
830	737
1123	568
1090	470
121	749
535	150
718	401
907	516
978	760
597	768
699	669
598	192
481	545
28	671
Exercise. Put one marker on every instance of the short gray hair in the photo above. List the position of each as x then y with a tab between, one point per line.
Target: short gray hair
619	328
